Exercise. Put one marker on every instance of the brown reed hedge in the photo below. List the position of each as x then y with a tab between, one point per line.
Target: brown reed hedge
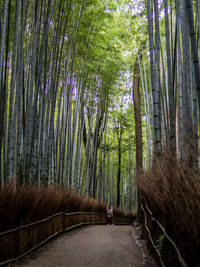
43	213
27	204
172	191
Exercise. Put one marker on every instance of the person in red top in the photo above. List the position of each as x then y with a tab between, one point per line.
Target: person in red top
109	210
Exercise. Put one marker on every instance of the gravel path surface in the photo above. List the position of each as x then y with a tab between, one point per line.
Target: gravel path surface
89	246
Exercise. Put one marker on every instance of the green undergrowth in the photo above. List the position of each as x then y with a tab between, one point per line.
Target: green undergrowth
172	193
28	204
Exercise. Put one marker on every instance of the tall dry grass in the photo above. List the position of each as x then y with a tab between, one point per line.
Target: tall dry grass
29	204
172	192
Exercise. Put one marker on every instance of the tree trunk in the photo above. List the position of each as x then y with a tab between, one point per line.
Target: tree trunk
138	122
119	171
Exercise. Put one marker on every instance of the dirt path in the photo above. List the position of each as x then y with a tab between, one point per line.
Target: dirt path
92	246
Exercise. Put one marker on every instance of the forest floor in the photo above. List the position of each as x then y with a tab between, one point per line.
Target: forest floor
92	246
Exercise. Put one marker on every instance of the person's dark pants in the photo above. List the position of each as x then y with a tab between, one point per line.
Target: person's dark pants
109	220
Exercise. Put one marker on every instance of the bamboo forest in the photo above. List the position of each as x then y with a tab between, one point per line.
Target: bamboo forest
100	103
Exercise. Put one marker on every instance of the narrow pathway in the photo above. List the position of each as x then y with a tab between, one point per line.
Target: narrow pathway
92	246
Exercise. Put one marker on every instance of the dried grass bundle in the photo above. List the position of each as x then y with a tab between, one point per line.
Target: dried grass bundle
172	192
28	204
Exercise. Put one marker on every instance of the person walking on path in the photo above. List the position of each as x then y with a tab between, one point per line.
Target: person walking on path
109	210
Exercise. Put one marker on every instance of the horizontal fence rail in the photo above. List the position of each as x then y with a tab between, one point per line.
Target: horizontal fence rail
18	242
148	211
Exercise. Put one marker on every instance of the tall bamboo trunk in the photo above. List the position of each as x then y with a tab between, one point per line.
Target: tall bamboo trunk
154	84
119	167
138	119
11	130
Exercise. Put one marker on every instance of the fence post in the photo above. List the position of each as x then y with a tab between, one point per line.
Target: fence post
64	221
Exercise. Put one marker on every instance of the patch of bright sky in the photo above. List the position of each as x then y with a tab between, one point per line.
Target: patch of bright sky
136	7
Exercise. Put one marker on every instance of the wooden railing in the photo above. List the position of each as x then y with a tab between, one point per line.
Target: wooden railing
148	214
18	242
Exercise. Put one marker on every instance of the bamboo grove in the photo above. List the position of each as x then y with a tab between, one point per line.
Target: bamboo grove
92	91
59	67
175	77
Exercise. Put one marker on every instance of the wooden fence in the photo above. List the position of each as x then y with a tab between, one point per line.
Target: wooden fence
148	214
18	242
